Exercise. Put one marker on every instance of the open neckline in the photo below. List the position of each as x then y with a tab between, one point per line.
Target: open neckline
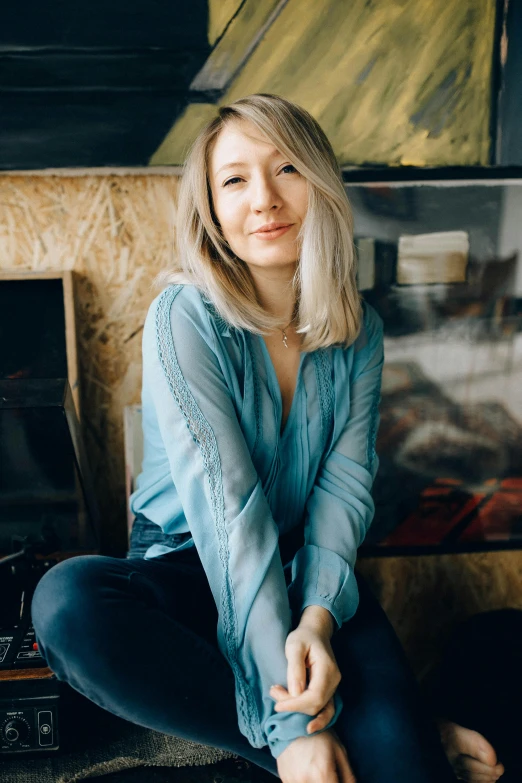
277	389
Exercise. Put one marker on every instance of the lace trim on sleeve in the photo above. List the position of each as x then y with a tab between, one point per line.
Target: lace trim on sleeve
205	439
323	374
371	452
258	410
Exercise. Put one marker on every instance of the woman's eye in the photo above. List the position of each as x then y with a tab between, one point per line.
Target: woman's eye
229	181
233	180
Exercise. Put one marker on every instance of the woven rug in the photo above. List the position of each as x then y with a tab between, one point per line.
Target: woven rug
95	743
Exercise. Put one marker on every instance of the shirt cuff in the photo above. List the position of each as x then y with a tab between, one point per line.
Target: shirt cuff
282	728
320	576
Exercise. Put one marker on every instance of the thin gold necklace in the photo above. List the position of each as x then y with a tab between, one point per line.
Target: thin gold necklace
285	338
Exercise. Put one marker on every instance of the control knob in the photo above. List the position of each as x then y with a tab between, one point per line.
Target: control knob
16	730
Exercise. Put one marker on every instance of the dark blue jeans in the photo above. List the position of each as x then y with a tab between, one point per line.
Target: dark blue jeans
138	638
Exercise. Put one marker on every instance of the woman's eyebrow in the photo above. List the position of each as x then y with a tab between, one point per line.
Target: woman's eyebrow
232	165
237	163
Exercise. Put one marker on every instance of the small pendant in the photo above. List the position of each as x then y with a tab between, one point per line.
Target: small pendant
285	339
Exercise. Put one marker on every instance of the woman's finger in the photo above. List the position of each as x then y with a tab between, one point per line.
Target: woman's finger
322	719
343	765
323	681
308	703
296	674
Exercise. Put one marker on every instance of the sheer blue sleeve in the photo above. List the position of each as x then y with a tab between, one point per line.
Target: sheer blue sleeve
340	507
225	508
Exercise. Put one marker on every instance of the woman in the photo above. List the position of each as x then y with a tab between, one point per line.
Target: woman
261	384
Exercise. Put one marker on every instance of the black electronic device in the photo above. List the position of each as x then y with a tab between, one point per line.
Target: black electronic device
29	691
18	579
47	513
29	713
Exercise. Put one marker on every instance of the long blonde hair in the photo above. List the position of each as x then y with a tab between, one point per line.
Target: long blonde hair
328	305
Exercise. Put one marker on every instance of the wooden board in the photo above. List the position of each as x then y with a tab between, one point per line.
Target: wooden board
44	673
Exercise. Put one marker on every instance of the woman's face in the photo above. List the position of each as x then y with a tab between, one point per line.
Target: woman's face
253	186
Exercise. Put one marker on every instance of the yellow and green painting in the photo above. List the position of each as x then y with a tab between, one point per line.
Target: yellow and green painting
392	82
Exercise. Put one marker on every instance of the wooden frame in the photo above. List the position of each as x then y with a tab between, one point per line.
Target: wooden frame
506	106
67	278
133	444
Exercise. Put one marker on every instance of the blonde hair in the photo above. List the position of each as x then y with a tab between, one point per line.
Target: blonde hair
328	305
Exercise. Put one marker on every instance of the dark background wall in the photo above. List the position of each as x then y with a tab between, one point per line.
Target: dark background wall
94	84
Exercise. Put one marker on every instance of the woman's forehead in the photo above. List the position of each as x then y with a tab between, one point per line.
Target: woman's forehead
237	140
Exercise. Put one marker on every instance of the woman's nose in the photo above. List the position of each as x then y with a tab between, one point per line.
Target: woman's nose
264	195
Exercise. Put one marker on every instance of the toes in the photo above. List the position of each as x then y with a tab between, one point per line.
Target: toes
475	771
458	740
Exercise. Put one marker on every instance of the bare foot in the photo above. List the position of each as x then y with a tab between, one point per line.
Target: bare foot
472	757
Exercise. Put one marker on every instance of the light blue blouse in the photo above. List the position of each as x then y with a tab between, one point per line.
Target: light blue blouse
217	468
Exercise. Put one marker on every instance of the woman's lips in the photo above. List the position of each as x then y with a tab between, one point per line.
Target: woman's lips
278	232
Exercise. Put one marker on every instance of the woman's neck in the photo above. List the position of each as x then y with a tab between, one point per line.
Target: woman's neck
276	293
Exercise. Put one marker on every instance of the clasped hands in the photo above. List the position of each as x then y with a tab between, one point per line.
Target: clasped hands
308	651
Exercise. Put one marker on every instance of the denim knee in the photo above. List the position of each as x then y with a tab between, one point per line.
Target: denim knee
382	727
60	601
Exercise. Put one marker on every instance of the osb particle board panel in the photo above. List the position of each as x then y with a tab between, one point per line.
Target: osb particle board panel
117	233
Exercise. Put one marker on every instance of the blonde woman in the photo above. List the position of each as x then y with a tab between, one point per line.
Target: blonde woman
243	625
